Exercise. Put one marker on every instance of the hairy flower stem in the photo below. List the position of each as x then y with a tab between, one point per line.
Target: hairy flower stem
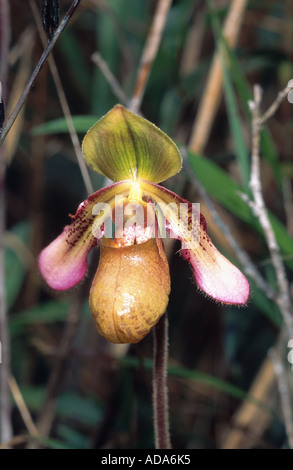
160	390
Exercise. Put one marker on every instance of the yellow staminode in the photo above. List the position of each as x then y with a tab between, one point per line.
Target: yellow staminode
135	192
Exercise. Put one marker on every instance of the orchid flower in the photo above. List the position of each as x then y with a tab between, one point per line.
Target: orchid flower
128	220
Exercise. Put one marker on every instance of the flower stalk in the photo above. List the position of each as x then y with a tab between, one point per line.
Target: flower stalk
160	389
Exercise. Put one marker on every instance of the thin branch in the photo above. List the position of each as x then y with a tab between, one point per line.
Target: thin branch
149	53
259	208
64	105
273	367
260	211
2	110
210	98
275	105
288	204
111	79
250	419
21	405
5	405
195	36
160	391
277	357
37	69
14	441
5	32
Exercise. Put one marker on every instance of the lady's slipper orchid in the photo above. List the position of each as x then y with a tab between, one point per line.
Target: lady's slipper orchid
127	219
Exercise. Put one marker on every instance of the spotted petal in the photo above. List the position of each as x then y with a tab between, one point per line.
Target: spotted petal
214	274
123	145
63	263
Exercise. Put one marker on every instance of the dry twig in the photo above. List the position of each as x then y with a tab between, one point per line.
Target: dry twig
21	405
288	204
14	441
64	105
250	420
111	79
277	357
258	206
149	53
5	406
273	366
210	98
195	36
5	423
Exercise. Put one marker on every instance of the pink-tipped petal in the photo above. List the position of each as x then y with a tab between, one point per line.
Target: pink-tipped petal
214	273
63	263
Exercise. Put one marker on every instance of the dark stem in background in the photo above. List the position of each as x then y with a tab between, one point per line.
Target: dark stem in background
160	390
5	406
149	53
64	105
40	64
4	44
50	16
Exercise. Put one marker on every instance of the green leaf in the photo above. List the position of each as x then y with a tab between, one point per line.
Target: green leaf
82	409
123	146
108	34
33	397
74	60
53	443
85	410
236	126
16	241
201	377
48	312
81	124
266	306
72	437
170	110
